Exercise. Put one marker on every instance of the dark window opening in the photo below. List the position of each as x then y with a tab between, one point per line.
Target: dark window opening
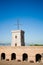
38	57
3	56
15	44
25	57
13	56
15	36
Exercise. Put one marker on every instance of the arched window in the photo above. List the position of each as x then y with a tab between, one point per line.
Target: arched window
25	57
2	56
13	56
38	57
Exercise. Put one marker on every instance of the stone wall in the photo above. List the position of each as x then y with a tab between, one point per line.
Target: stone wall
31	51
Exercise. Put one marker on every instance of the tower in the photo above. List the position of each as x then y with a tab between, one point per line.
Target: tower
18	38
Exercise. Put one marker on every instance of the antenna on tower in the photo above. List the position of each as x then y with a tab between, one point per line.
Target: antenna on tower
18	25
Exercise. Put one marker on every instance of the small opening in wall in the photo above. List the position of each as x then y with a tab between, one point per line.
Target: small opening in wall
2	56
7	59
15	36
25	57
15	44
13	56
38	57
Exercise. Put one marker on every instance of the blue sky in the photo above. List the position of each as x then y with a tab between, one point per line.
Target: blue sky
30	15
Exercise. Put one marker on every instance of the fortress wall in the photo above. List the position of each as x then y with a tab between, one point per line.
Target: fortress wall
31	51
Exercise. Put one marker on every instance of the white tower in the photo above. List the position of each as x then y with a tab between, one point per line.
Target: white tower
18	38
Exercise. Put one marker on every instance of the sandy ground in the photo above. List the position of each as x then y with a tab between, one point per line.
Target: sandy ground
18	63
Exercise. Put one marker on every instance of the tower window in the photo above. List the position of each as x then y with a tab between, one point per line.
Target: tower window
15	36
15	44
